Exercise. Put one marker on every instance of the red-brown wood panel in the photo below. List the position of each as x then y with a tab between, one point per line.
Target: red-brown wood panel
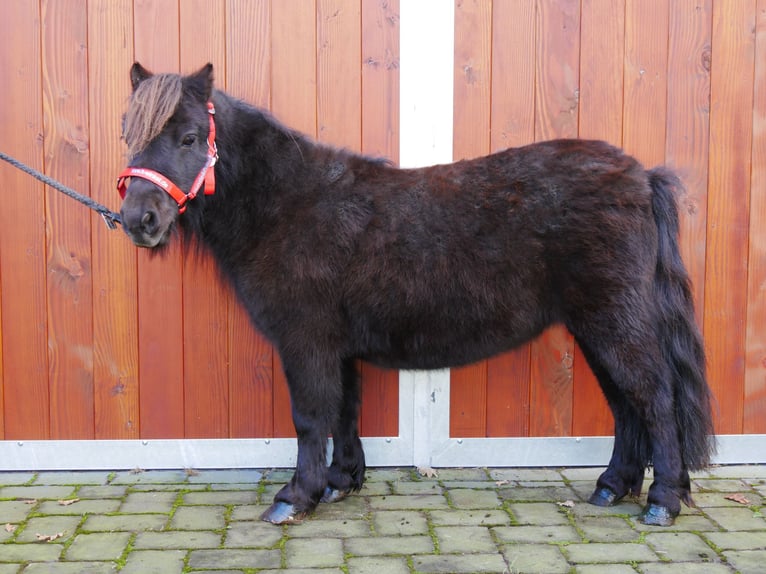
556	94
512	116
22	229
731	128
160	292
205	298
379	412
70	308
471	129
115	332
251	366
755	365
602	41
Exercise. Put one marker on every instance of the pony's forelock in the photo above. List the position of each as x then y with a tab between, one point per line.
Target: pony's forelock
152	104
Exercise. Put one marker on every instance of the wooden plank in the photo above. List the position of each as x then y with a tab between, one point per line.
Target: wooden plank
293	101
22	229
602	36
339	74
206	299
731	128
70	310
556	95
115	312
687	146
755	358
251	376
379	411
160	317
512	124
471	131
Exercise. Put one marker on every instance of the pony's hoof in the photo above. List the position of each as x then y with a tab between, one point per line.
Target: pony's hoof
283	513
333	495
603	496
656	515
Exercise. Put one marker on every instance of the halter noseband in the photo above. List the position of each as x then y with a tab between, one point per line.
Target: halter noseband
206	174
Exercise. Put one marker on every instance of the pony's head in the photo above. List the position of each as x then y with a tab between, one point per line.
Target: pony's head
169	132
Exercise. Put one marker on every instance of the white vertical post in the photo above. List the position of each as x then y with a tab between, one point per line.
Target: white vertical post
426	47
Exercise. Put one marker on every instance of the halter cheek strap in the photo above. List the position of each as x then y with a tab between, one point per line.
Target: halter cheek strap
206	175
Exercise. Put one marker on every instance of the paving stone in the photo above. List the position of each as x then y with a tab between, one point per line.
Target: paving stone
14	511
150	502
681	547
73	478
198	518
378	565
684	568
747	561
535	559
386	475
424	501
248	511
151	477
626	507
604	569
427	487
331	528
375	489
221	497
154	562
390	545
464	474
694	522
125	522
248	476
718	499
727	485
465	499
607	529
71	568
589	473
470	518
465	539
601	552
235	558
16	478
101	491
539	513
98	546
400	522
738	540
296	571
48	526
538	493
537	534
736	518
519	474
314	552
14	568
33	552
350	508
81	507
37	492
456	564
177	540
252	535
739	471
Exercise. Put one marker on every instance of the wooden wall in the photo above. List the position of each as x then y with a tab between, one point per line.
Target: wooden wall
101	340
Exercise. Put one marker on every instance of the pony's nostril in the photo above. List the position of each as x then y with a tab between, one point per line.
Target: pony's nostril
149	222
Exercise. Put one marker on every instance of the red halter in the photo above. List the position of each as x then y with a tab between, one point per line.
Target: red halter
206	174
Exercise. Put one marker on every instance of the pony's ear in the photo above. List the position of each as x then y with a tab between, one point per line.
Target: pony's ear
138	74
201	82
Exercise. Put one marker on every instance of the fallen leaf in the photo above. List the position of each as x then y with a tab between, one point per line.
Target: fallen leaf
502	482
566	504
427	471
137	470
69	501
29	501
191	472
737	497
49	537
10	527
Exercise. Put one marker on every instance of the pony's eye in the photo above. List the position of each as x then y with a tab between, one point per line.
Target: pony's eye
189	140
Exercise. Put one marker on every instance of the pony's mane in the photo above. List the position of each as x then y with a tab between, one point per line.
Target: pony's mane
150	107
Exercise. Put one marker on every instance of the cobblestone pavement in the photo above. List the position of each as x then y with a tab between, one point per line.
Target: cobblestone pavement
462	520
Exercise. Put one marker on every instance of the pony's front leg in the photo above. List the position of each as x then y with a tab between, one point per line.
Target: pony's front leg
315	394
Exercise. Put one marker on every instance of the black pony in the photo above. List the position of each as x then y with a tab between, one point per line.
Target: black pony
339	257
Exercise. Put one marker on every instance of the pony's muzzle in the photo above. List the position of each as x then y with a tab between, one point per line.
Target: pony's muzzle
147	215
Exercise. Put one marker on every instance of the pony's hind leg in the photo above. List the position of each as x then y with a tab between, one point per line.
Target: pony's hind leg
639	387
346	474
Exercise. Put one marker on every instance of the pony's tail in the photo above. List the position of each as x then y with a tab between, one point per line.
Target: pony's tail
679	336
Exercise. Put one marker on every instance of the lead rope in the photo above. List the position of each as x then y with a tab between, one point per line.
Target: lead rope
110	217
